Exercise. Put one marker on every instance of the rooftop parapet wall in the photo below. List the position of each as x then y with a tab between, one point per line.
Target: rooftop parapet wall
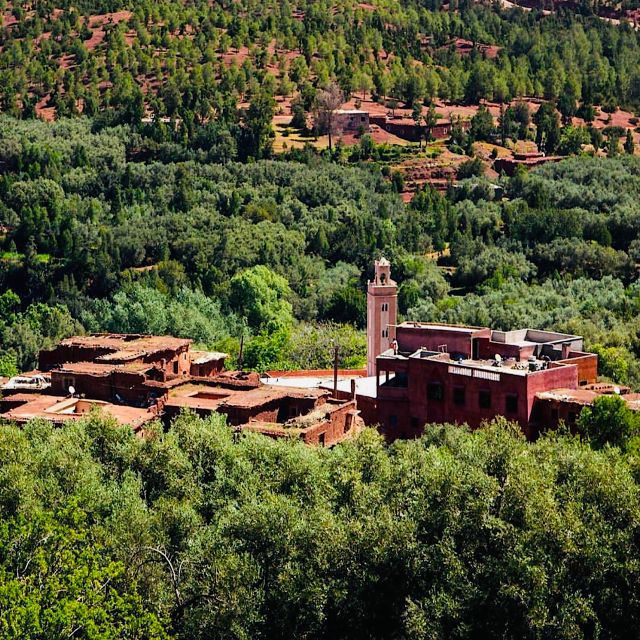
451	339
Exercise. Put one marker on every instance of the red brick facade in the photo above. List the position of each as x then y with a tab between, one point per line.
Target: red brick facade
437	373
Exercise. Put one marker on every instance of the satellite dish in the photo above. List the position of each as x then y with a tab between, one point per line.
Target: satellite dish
616	390
498	357
72	390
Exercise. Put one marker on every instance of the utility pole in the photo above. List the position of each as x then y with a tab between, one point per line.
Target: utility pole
335	372
241	354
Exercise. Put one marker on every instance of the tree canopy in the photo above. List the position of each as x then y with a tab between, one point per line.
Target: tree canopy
189	534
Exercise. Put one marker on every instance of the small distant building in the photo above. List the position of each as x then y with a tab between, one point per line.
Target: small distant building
509	165
350	121
311	415
23	407
407	129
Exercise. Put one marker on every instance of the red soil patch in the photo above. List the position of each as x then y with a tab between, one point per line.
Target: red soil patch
8	19
45	112
97	23
96	39
109	18
235	55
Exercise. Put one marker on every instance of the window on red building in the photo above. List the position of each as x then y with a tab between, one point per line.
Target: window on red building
393	421
511	404
484	399
459	396
435	391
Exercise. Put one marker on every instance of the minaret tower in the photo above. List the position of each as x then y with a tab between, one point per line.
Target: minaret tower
382	303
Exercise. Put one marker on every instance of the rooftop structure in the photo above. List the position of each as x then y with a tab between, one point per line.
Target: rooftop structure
406	128
350	120
23	407
129	369
310	414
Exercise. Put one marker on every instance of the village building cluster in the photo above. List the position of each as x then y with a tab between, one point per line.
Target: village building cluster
360	121
417	373
138	379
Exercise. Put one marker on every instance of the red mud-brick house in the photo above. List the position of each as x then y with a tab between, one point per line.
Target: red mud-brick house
125	368
311	415
434	373
351	121
138	378
407	128
509	165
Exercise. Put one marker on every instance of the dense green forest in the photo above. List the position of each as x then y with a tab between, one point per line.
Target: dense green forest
198	61
110	229
189	534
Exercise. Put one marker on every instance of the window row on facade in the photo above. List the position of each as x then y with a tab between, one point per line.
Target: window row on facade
459	396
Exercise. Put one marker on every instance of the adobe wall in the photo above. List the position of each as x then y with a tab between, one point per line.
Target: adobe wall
128	386
277	410
548	414
556	377
410	339
172	363
487	349
366	405
340	421
62	354
351	122
237	416
587	365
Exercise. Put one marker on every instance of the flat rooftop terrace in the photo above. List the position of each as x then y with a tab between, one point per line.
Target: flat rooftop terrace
509	366
100	368
61	409
454	328
126	343
195	396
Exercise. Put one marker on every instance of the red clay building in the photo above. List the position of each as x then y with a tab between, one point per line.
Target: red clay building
435	373
311	415
527	160
350	121
23	407
128	369
407	128
138	378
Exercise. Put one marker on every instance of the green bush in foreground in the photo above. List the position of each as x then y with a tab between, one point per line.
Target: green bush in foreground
455	535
